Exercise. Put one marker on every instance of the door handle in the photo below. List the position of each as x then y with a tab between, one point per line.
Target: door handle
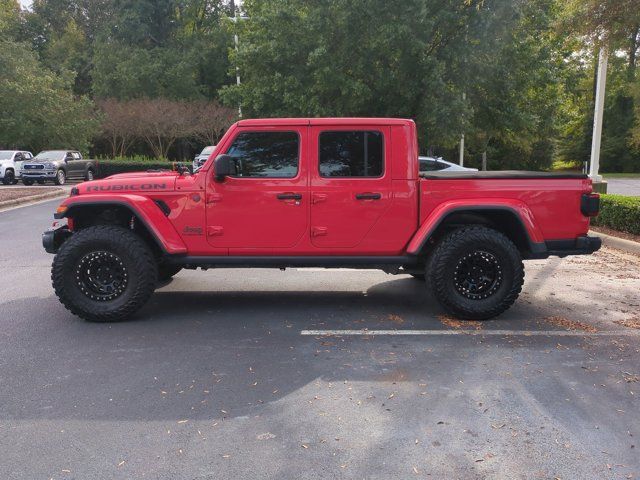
368	196
289	196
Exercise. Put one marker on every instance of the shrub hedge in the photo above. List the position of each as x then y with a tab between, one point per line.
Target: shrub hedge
619	213
111	167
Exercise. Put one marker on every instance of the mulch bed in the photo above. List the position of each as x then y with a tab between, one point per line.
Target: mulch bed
18	192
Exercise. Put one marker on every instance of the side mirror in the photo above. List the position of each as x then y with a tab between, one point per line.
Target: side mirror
224	166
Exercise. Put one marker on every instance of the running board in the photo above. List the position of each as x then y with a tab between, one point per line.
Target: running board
295	261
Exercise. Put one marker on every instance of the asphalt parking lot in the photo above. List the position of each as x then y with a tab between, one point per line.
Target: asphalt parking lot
269	374
624	186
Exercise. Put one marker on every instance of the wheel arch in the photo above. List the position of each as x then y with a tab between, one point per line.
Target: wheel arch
148	220
503	218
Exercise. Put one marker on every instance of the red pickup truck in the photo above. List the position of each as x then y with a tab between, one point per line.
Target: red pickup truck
334	192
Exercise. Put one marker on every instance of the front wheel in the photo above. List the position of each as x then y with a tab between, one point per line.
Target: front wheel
61	177
104	273
89	175
167	271
8	178
476	273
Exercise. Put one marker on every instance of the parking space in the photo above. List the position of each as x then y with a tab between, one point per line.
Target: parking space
310	373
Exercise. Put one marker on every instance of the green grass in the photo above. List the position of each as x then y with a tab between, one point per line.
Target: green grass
620	175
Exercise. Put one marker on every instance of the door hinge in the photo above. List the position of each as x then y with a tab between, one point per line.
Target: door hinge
318	198
214	231
214	197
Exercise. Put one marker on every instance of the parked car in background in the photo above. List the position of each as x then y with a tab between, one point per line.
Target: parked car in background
11	163
433	164
57	166
202	157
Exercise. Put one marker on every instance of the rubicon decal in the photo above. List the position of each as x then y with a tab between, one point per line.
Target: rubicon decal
127	188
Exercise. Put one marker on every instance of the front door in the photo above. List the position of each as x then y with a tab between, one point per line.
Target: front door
350	183
265	205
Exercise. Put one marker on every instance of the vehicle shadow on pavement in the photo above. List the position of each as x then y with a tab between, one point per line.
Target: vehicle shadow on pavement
224	363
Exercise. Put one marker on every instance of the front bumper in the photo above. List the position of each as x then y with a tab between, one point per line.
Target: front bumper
53	239
38	174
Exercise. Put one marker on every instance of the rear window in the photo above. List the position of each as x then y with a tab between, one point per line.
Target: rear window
351	154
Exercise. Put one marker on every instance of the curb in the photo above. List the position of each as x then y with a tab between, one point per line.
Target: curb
32	198
623	244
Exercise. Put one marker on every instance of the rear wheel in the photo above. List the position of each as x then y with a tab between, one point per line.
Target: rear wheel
9	178
476	273
61	177
89	175
104	273
41	182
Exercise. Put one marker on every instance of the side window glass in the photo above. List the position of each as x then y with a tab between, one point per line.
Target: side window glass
351	154
266	154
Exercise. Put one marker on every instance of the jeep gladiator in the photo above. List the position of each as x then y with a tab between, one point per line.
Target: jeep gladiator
335	192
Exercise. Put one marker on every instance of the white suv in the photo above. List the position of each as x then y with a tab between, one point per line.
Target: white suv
10	165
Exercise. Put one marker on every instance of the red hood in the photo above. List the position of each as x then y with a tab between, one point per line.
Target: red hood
132	183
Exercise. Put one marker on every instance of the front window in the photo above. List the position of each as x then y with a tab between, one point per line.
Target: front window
266	154
51	156
351	154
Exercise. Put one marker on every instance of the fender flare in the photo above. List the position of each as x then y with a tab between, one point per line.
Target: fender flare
143	208
518	209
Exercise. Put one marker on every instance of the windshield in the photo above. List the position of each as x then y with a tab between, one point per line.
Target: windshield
6	154
52	155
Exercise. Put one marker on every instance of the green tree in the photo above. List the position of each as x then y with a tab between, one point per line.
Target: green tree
40	110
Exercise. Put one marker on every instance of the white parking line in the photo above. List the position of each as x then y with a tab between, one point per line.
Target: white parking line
525	333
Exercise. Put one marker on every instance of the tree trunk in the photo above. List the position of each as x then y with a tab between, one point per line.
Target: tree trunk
634	39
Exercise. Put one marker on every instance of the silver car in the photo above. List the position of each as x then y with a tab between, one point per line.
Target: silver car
433	164
202	157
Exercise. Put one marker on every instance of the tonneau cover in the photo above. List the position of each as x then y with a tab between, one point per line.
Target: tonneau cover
505	174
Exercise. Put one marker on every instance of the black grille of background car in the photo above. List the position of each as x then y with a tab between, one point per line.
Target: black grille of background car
33	167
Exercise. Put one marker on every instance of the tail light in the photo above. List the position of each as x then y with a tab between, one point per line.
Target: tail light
590	204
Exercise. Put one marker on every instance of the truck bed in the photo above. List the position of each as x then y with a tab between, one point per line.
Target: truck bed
506	174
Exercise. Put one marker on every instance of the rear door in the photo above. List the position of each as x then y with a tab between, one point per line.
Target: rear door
266	205
350	183
75	164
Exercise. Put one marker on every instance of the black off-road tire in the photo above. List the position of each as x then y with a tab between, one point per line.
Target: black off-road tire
419	276
167	271
452	256
131	254
90	175
41	182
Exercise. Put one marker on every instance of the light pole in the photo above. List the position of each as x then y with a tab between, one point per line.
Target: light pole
601	86
236	16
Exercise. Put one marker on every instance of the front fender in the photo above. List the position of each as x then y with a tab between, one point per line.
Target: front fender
142	207
440	213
